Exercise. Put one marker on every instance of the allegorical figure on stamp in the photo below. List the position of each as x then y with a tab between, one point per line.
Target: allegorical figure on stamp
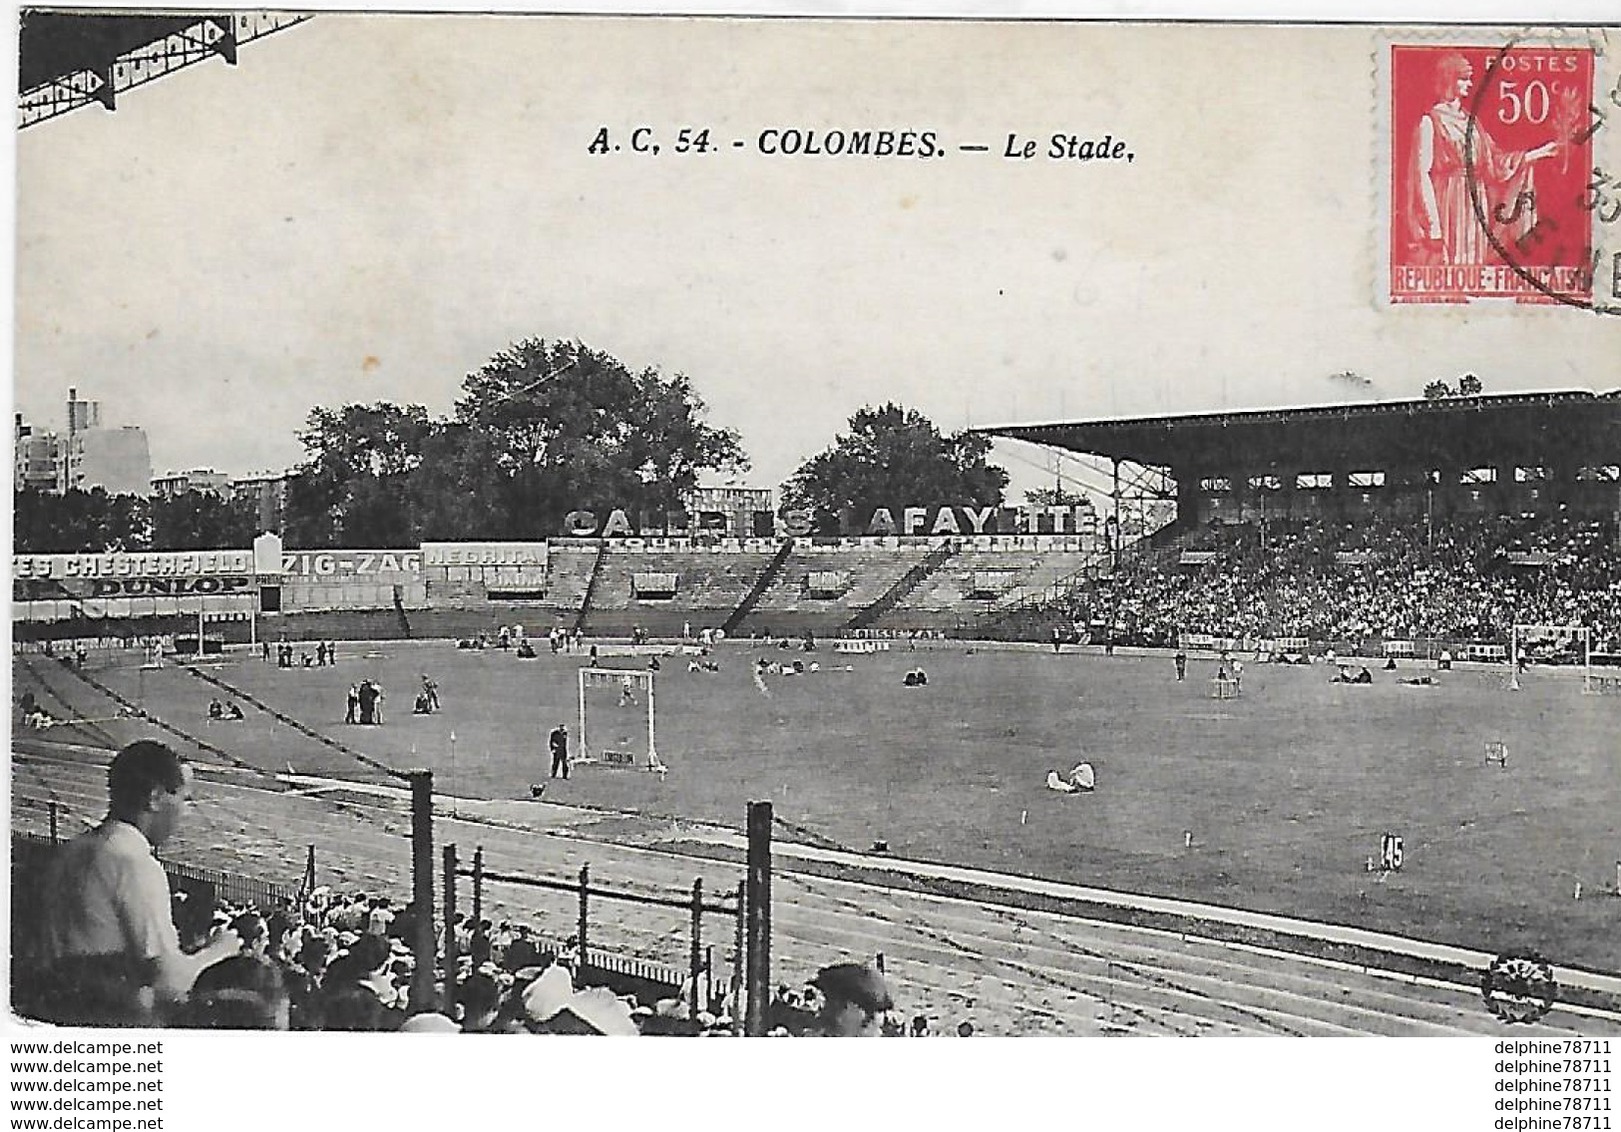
1441	216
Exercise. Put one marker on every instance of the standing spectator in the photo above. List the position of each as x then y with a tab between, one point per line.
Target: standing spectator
370	703
352	712
1181	665
109	934
559	747
430	688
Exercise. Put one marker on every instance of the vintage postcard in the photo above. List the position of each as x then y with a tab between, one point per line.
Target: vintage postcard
808	526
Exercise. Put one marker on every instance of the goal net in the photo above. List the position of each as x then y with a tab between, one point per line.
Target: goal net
1569	645
617	719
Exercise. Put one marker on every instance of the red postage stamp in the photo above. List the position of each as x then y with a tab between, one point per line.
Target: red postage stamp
1490	162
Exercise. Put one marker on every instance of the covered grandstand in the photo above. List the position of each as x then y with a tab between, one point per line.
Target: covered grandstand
1395	528
1497	454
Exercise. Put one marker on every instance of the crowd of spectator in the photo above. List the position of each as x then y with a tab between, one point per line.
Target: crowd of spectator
1457	580
116	946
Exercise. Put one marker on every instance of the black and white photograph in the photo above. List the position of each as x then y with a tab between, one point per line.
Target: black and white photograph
772	525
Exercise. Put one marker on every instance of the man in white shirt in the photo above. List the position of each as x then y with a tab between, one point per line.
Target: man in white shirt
108	933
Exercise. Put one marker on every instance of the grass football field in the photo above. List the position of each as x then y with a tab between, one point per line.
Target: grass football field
1286	790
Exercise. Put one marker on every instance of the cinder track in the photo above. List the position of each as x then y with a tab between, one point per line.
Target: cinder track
1006	970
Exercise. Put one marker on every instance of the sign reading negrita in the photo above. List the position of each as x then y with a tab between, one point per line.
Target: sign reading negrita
1491	157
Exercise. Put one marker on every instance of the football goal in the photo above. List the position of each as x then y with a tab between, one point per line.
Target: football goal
613	704
1551	644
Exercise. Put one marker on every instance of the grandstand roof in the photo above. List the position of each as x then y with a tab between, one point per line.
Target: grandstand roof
1529	427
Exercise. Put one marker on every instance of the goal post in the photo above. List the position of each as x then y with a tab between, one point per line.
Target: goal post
1574	641
630	686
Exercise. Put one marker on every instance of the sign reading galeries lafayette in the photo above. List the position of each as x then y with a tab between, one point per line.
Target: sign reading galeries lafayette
153	564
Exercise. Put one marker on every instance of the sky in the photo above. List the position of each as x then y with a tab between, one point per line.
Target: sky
367	208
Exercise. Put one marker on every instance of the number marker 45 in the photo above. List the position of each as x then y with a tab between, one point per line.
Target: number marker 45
1390	852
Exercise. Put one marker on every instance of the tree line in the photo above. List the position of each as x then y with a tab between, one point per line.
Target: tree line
541	429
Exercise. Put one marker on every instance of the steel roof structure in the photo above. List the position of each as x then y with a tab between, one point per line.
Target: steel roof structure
68	59
1526	427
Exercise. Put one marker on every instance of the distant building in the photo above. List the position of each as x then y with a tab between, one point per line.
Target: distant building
732	512
37	456
82	415
198	479
268	491
116	460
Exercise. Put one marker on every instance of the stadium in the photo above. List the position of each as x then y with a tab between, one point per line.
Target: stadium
1458	810
1296	721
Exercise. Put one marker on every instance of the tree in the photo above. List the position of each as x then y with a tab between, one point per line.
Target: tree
539	431
351	489
1468	386
570	427
79	521
1056	497
202	520
894	456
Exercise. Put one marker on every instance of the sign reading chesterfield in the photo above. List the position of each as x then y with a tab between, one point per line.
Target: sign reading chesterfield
41	577
153	564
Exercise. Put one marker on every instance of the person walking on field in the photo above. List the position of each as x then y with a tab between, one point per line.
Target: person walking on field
559	746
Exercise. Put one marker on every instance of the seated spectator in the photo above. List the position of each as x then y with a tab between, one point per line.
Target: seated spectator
244	992
216	710
855	998
346	1005
553	1006
480	999
251	930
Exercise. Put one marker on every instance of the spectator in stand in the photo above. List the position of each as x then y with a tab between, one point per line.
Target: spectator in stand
109	935
244	992
251	930
480	998
479	947
855	998
521	952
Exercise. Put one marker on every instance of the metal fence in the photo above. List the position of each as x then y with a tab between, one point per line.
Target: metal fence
623	974
34	850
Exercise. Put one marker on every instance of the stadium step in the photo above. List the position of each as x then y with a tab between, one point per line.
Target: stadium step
761	585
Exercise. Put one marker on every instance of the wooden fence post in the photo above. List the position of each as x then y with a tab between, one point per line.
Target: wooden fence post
585	911
697	944
452	960
759	916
